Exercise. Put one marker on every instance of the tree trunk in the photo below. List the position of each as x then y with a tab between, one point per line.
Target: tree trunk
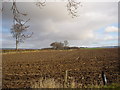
16	43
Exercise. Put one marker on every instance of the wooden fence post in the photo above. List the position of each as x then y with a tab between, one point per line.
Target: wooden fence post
66	77
104	78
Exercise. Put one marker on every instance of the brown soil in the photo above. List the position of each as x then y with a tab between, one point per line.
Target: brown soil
84	65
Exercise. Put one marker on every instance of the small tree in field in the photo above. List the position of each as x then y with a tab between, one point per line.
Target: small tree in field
66	43
60	45
18	31
57	45
19	26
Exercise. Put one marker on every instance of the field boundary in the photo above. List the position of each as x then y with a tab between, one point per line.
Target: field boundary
29	51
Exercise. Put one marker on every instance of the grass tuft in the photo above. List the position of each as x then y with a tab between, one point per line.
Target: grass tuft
46	83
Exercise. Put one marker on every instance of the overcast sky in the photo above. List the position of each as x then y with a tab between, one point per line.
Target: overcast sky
96	25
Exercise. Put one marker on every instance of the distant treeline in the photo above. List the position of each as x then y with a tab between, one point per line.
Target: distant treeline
62	46
65	48
22	50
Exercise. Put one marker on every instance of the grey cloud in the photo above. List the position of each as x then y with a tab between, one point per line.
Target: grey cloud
52	22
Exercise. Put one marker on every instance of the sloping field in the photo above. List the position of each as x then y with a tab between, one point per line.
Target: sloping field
84	65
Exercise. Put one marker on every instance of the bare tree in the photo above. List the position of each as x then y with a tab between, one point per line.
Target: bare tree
72	6
66	43
40	3
19	26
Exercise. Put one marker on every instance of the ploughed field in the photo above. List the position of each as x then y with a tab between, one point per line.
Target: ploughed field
84	65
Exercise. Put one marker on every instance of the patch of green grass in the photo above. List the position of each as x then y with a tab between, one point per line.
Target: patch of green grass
113	85
93	48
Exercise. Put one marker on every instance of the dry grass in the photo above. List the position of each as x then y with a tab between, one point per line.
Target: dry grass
46	83
52	83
